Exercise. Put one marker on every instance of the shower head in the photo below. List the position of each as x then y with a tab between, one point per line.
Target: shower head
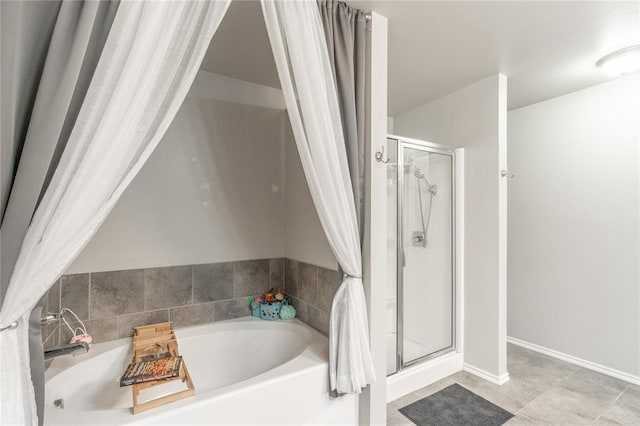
433	189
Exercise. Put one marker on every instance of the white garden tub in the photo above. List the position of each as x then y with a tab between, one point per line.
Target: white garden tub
246	371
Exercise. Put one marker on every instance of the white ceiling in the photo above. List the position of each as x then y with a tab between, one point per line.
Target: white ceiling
545	48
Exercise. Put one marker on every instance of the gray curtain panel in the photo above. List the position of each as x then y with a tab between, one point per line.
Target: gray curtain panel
26	29
50	50
345	29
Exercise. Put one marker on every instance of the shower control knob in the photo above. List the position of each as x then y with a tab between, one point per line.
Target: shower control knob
418	239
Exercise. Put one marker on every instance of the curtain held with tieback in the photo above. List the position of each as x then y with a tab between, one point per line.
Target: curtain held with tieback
149	60
300	52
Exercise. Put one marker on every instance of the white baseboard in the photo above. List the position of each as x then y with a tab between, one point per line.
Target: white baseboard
483	374
421	375
577	361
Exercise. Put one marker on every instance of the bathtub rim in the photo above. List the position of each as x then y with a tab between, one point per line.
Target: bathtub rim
58	365
314	356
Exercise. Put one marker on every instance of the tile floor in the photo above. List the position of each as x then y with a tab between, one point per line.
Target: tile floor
543	390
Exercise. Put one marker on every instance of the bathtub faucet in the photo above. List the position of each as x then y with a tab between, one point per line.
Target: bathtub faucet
72	349
50	318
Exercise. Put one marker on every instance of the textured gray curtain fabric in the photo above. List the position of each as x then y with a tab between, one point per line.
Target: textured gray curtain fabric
36	358
345	29
50	50
71	56
26	29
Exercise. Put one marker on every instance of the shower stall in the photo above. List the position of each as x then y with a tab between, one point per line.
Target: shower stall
421	289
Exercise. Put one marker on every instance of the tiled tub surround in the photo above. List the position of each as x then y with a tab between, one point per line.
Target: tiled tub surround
311	289
112	303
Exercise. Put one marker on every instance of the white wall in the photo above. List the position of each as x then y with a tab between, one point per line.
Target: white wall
304	238
475	118
212	191
372	401
574	280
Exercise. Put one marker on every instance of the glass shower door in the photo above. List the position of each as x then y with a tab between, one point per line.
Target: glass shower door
425	252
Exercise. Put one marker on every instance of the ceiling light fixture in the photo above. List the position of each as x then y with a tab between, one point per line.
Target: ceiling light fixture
623	61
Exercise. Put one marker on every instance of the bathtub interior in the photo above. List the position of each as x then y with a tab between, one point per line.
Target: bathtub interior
215	354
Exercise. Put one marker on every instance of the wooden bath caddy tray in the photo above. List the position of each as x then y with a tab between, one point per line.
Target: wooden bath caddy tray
148	340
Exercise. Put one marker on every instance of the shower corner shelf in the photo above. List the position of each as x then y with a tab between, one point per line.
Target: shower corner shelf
146	341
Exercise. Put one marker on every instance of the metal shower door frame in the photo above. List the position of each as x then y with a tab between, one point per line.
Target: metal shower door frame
419	145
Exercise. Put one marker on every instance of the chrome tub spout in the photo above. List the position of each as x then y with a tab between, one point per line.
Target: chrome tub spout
68	349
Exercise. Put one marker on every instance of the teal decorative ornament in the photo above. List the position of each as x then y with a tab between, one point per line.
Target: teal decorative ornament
287	312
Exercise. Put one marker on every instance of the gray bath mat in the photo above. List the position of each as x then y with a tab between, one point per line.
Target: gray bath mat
455	405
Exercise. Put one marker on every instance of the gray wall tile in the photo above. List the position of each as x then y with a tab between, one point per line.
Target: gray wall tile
49	332
117	301
167	287
291	276
328	283
318	319
101	330
116	293
74	294
50	343
53	299
126	323
212	281
251	277
301	309
230	309
308	283
50	335
183	316
276	270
